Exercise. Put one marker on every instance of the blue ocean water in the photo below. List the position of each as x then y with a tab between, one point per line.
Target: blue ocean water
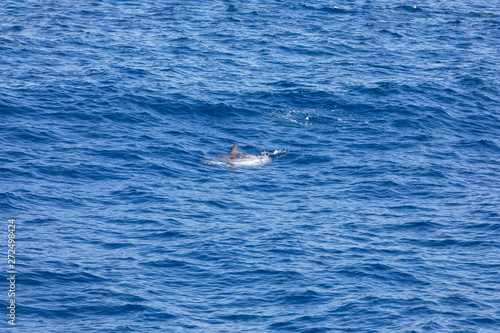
379	214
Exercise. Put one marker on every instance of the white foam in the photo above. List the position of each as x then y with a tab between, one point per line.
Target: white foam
260	160
246	162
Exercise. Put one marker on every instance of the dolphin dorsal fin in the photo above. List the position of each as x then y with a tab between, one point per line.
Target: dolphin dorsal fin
234	149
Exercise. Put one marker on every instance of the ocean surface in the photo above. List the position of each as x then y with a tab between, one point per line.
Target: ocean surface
379	211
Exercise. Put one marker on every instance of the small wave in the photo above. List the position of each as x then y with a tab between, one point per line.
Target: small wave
410	9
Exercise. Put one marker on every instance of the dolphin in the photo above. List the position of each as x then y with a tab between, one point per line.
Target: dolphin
234	154
237	158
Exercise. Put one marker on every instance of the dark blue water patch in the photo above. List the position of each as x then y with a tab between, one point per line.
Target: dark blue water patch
92	172
158	316
168	235
168	263
379	273
49	313
61	278
113	246
100	309
419	226
391	33
482	15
